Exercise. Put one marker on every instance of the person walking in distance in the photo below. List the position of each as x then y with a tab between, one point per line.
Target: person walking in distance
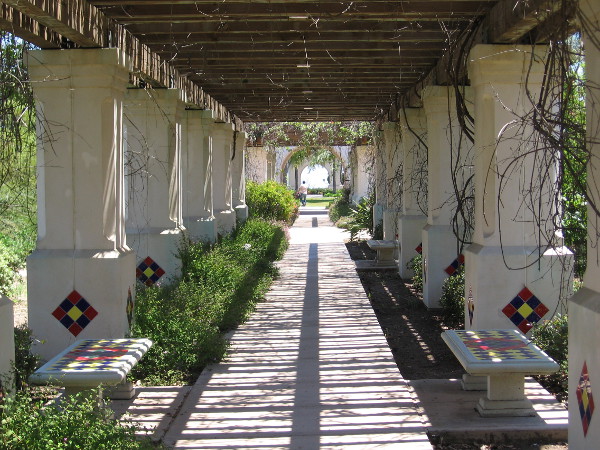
303	190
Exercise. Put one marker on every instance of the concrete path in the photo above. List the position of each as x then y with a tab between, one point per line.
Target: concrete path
311	368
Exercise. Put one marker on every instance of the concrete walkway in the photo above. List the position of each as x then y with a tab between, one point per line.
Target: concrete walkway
311	368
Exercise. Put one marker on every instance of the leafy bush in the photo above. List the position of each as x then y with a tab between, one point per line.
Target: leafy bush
75	423
361	217
270	201
416	265
453	299
25	361
218	290
340	207
552	337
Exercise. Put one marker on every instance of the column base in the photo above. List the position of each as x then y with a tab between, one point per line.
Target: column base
105	280
492	285
241	213
410	228
584	365
439	251
161	246
203	229
226	221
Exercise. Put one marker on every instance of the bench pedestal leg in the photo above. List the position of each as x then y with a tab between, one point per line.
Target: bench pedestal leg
385	257
474	382
505	397
122	391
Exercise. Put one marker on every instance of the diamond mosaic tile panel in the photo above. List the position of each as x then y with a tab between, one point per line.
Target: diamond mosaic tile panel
149	272
455	265
585	400
75	313
525	310
419	249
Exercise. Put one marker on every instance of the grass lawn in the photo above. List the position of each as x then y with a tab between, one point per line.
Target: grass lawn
319	201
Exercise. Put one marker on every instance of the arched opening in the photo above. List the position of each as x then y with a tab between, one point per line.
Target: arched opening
316	177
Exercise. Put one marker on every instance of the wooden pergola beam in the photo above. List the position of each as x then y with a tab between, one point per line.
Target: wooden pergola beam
88	27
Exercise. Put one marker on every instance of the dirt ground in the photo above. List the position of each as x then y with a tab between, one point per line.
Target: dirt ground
414	335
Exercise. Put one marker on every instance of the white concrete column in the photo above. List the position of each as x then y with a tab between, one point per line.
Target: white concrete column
362	173
380	178
222	134
446	151
82	273
238	176
503	259
256	164
7	344
584	307
393	184
198	217
154	210
413	127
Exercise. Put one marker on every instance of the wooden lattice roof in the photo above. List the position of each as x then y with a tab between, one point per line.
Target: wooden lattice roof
264	60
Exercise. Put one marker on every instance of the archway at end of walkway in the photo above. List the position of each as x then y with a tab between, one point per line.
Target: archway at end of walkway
291	170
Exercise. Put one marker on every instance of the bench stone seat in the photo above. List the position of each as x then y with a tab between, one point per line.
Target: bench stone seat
505	357
89	363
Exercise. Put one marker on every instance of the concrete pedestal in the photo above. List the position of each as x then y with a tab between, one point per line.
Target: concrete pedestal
241	213
7	344
103	279
438	243
492	290
202	229
161	245
409	236
226	221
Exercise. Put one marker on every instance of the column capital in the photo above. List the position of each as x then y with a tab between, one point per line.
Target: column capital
441	99
506	64
78	68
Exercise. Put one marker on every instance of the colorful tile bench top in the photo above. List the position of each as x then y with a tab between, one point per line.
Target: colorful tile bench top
376	244
488	352
92	362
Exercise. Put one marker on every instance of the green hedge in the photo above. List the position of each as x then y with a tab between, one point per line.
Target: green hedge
218	290
271	201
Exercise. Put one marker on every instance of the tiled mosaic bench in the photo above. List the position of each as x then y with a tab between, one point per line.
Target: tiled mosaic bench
385	255
89	363
504	357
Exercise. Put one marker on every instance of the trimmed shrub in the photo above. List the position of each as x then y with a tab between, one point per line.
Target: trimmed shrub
271	201
416	265
453	299
219	288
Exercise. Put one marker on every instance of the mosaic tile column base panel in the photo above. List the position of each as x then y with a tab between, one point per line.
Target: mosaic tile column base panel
75	313
585	400
149	272
455	265
525	310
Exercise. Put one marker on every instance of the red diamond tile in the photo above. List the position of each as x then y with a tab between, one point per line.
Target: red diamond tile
525	294
90	313
74	297
59	313
509	310
525	326
75	329
541	310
